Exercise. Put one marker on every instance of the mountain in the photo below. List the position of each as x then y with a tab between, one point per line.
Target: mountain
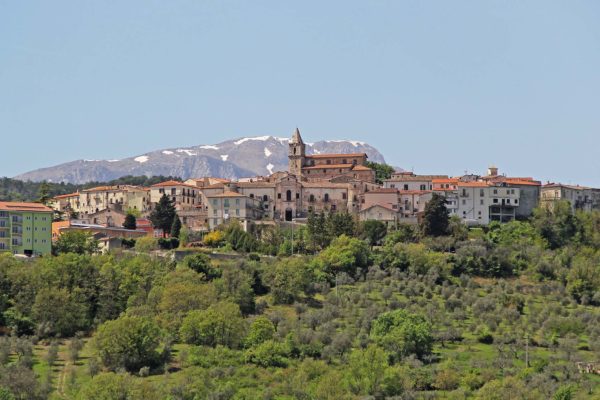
243	157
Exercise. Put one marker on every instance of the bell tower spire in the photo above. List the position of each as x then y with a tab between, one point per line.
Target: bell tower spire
296	154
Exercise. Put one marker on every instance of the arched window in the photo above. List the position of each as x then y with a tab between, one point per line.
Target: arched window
311	198
288	195
265	198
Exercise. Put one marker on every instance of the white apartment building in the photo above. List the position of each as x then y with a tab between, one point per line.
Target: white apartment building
479	203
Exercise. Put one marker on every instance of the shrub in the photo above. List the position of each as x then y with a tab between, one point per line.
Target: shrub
128	342
402	333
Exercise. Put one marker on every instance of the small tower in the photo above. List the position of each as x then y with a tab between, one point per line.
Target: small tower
297	151
492	170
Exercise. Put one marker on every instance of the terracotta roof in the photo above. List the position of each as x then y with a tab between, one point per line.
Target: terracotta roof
26	207
474	184
445	180
102	188
334	155
361	168
329	166
518	181
173	183
65	196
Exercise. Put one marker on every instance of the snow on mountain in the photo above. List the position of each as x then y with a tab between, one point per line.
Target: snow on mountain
237	158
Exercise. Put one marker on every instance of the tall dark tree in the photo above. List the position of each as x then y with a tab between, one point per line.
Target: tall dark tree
316	230
341	223
163	215
44	193
130	222
176	227
373	231
437	218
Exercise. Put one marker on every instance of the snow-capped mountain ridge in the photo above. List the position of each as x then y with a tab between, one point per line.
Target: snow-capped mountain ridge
233	159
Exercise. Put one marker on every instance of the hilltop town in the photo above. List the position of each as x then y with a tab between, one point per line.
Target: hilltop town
313	184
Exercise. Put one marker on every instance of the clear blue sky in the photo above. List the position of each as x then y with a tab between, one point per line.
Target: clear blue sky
437	86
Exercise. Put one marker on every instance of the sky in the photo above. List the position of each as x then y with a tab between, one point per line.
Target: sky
437	86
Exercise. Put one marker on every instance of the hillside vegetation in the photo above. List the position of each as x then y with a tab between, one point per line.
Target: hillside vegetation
504	312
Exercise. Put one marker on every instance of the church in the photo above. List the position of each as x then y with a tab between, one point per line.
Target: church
324	167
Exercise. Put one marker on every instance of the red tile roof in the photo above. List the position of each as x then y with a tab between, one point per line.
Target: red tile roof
66	196
173	183
25	207
329	166
334	155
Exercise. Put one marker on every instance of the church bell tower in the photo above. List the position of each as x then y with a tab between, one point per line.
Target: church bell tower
297	151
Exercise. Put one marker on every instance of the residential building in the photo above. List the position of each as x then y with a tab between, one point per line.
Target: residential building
25	228
411	181
580	197
182	195
226	206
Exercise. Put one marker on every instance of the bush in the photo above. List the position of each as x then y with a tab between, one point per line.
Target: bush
268	354
201	263
214	239
261	330
146	244
220	324
129	342
168	243
402	333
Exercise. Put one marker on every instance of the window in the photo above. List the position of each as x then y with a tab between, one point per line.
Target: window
311	198
326	197
393	186
481	193
251	195
343	196
288	195
279	195
423	187
297	195
481	201
237	202
405	187
237	211
495	201
265	198
464	202
328	162
173	192
495	191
